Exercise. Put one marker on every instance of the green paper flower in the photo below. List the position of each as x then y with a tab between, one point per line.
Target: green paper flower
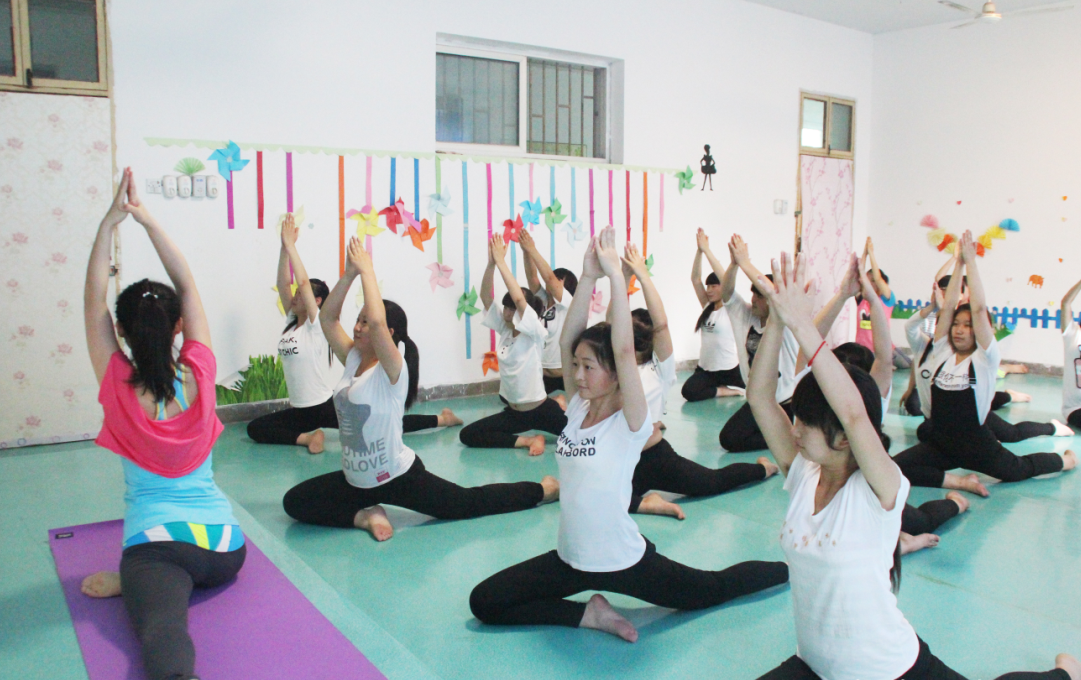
686	179
467	304
553	215
189	166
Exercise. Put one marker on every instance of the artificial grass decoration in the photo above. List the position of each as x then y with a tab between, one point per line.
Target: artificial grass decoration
262	380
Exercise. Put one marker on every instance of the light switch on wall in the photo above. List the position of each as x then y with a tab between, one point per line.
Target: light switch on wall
168	186
198	186
153	186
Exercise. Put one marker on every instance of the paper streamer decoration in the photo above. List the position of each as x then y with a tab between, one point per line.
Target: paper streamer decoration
488	173
628	205
1009	224
465	265
591	228
259	185
553	214
341	216
229	161
660	216
416	196
929	221
576	231
440	212
510	205
289	181
645	212
611	219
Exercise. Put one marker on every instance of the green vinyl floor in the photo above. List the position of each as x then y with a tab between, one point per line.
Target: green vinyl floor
1002	591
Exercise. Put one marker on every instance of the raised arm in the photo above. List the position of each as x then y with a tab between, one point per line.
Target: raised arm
552	284
662	336
949	304
499	253
880	286
1067	305
100	333
728	279
635	406
578	316
375	314
191	305
487	282
290	233
330	314
824	320
981	323
762	396
531	278
791	300
285	289
741	256
882	368
696	269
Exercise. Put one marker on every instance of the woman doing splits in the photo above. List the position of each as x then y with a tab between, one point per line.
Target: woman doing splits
521	378
961	373
660	467
179	529
305	357
844	515
1071	369
599	544
717	373
377	387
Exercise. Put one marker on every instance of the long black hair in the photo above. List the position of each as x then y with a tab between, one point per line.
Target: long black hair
810	406
320	292
642	328
147	312
710	307
398	322
530	299
570	281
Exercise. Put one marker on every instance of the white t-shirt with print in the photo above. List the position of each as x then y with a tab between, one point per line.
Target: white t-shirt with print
1071	369
521	378
657	378
954	376
305	357
554	316
718	343
739	312
848	626
370	411
596	464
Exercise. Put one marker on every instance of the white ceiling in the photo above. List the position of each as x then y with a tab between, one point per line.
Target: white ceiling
883	16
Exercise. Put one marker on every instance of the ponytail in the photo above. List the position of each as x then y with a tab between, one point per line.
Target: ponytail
706	311
895	570
398	322
147	312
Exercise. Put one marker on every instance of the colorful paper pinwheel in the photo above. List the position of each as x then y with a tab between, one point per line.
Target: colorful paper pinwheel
686	179
596	302
491	361
1004	330
421	235
531	212
440	275
439	203
228	160
396	215
298	219
367	221
467	304
576	231
649	265
553	215
512	228
631	288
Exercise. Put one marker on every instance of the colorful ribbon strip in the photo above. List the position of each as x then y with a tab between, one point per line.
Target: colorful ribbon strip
259	185
438	216
488	172
551	201
512	244
465	250
645	212
341	216
591	203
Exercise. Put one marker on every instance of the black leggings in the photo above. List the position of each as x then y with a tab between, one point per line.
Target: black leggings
1004	431
285	426
329	500
532	592
156	580
912	404
928	517
741	432
553	384
501	430
927	667
925	464
1074	419
662	469
703	384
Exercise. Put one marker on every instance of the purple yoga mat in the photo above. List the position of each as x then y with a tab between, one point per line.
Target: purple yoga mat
259	626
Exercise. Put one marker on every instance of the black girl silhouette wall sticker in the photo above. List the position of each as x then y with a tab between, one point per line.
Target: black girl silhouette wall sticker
709	169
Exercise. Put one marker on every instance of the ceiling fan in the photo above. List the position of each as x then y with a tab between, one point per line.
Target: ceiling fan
989	14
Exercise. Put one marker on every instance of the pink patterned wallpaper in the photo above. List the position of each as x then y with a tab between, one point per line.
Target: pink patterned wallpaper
827	189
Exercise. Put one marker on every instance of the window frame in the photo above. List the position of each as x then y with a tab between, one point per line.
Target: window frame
20	18
826	150
461	46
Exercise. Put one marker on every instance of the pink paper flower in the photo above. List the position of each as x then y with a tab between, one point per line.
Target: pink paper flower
33	421
58	258
58	212
15	143
64	348
101	147
56	166
20	238
26	331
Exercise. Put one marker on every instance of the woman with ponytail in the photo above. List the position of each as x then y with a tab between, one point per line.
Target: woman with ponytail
379	384
306	357
846	498
179	529
717	373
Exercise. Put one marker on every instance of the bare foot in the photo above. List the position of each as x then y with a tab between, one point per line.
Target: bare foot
1061	429
910	543
551	489
1019	397
1013	368
1069	460
961	501
374	521
535	444
731	392
561	399
102	584
315	444
653	504
1070	665
970	483
599	615
771	469
448	419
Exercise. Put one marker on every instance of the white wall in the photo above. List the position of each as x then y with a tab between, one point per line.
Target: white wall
987	116
362	74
